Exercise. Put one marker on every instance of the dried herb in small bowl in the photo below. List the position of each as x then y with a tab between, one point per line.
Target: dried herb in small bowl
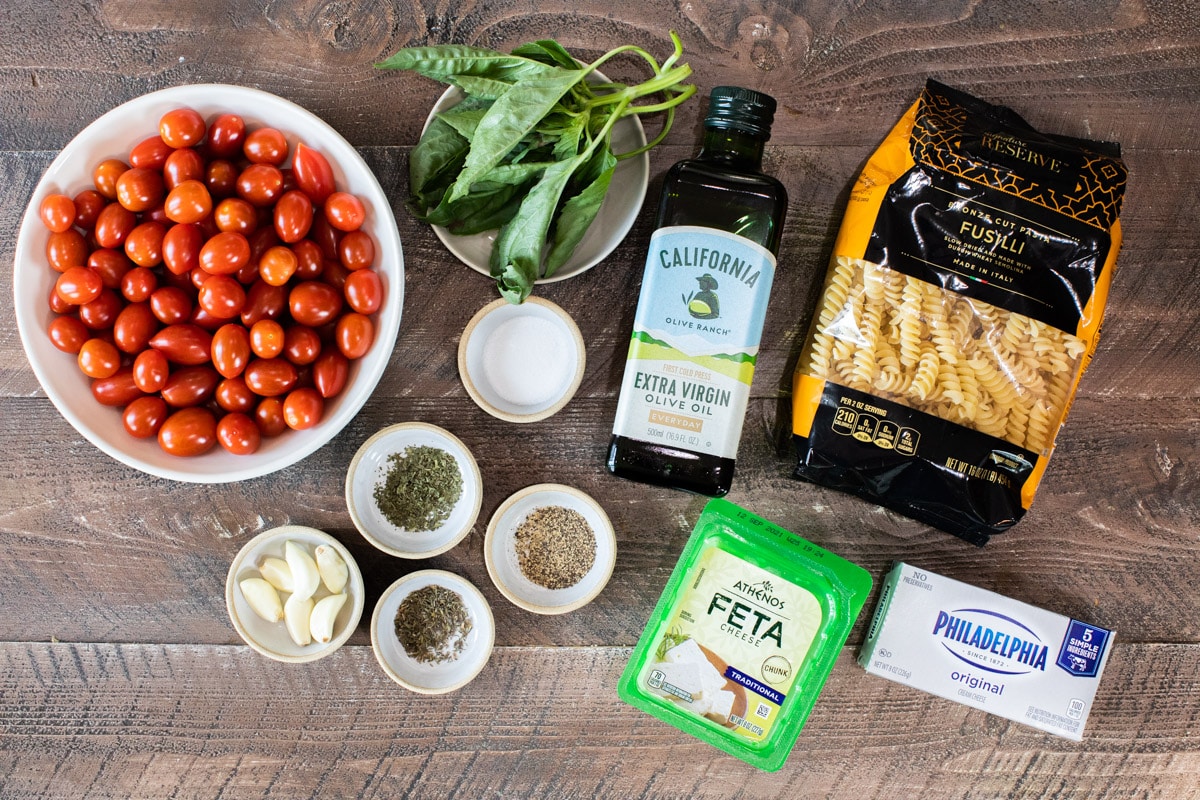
421	488
432	624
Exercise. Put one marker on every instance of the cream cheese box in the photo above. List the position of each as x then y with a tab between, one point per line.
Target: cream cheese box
986	650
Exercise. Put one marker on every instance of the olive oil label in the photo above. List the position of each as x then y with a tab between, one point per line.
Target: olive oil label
733	644
695	340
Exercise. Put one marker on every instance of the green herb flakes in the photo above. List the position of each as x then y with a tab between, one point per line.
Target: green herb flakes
432	624
422	486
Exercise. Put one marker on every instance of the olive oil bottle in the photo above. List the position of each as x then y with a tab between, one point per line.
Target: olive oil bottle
703	300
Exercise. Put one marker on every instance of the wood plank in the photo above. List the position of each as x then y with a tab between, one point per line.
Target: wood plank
1105	70
1153	314
135	721
96	551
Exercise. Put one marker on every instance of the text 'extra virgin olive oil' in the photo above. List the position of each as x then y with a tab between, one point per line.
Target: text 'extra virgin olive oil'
703	300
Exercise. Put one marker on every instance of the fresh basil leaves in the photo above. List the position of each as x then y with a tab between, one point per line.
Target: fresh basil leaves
528	150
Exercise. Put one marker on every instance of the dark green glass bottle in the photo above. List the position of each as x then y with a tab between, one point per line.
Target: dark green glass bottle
703	300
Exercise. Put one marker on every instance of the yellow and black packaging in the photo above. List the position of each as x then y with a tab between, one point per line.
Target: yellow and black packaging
962	304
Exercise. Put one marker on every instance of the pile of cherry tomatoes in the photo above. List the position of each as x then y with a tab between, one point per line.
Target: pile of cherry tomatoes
208	291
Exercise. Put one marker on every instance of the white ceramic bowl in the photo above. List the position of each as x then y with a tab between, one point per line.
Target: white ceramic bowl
112	135
500	553
617	214
271	638
369	468
477	366
432	677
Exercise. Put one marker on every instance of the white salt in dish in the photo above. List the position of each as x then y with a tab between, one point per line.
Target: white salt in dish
521	363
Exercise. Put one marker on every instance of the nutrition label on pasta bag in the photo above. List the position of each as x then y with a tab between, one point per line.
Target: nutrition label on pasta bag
868	423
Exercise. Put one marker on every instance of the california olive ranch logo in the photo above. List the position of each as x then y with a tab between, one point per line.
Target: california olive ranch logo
704	304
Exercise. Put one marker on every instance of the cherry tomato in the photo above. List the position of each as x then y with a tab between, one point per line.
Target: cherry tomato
144	244
65	250
99	359
68	334
101	312
105	176
302	409
326	236
301	345
263	301
190	386
188	202
88	205
144	416
79	285
188	432
260	184
181	248
334	274
233	394
356	250
113	224
140	189
225	136
138	284
270	377
150	371
268	416
266	338
364	291
222	296
355	334
230	350
238	434
221	178
266	146
329	373
293	216
345	211
181	127
235	214
57	212
277	265
111	265
225	253
118	390
314	303
170	304
313	174
133	327
309	260
57	304
262	240
183	165
183	343
150	153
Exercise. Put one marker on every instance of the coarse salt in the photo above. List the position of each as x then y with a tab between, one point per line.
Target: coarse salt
527	360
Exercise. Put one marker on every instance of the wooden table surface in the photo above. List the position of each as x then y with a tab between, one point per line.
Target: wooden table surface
120	674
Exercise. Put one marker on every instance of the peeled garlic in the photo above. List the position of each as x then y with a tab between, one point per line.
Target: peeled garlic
296	613
323	615
262	597
277	573
333	570
305	578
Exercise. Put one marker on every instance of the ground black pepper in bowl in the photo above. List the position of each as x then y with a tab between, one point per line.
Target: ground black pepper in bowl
555	547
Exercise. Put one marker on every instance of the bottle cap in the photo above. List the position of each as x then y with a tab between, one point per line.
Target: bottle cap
745	110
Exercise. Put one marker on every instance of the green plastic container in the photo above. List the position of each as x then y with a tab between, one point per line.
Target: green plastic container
745	635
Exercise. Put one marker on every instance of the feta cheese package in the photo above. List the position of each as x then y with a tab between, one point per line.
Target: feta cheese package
744	635
986	650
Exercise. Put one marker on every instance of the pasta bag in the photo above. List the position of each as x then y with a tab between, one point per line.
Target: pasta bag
962	304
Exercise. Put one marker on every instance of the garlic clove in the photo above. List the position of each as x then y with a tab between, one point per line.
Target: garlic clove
296	613
277	573
305	578
333	569
262	598
323	615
